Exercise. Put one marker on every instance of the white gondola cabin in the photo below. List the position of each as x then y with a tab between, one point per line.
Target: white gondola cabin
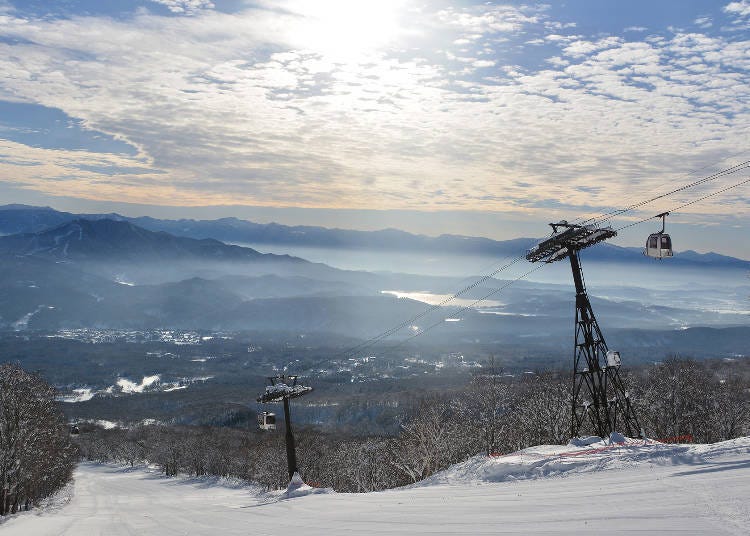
267	420
659	245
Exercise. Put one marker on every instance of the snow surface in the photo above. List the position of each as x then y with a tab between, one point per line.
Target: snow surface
280	389
79	395
128	386
633	488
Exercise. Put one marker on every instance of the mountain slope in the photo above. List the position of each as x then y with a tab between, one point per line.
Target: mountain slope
685	489
117	240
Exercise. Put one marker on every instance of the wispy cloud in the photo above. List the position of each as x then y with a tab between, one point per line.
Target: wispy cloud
741	8
185	6
703	22
290	103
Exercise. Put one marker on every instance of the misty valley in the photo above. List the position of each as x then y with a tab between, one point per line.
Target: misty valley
136	325
361	268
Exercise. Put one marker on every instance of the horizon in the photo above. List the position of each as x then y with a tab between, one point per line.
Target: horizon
419	228
453	117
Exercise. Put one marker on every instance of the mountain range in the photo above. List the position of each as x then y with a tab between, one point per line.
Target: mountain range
15	219
115	240
75	272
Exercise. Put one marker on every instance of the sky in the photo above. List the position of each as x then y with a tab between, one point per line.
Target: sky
437	117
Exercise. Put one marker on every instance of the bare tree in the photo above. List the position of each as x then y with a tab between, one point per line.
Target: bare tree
488	402
36	456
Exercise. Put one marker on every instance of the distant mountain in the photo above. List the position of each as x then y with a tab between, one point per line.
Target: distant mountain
25	219
711	258
111	240
236	230
42	293
114	274
15	219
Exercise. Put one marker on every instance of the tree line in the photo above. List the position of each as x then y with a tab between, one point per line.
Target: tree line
494	413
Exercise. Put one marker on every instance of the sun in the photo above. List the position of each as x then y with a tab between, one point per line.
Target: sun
348	29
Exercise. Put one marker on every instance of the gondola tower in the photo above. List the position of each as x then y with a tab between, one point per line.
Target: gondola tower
598	393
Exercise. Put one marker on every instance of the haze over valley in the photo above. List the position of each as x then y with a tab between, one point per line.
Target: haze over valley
160	316
372	267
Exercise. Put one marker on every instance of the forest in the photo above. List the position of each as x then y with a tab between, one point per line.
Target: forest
677	400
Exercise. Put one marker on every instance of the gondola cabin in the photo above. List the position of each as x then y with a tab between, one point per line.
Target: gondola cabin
659	245
267	420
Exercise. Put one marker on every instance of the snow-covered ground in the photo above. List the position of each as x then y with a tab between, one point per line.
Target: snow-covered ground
594	489
124	386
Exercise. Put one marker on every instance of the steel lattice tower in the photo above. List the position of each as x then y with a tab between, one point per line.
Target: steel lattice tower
283	388
598	392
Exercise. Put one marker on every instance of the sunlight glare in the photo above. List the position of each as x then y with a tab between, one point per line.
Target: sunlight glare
346	29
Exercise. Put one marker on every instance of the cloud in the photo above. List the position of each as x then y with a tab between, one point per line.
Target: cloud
584	47
703	22
487	19
560	38
188	7
258	108
558	61
741	8
556	25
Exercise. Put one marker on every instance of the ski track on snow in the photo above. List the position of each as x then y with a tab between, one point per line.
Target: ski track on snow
618	490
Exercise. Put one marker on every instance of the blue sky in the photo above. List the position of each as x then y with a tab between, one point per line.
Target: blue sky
466	117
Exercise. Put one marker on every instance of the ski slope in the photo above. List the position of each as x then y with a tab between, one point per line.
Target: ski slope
590	489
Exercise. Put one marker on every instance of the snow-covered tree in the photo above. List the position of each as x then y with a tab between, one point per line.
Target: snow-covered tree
435	436
36	455
488	401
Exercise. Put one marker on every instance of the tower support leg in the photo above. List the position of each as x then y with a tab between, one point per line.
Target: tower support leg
291	454
598	394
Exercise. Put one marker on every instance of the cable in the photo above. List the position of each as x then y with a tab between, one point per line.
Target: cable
687	174
676	209
722	173
409	321
606	217
467	307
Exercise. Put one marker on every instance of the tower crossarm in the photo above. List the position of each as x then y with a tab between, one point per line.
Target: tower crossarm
570	239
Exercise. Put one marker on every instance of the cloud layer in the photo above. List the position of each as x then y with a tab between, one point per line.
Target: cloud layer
394	105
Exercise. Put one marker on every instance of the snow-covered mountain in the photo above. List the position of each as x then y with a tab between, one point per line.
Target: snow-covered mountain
25	219
113	240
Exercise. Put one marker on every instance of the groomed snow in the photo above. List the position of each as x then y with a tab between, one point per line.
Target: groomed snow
589	489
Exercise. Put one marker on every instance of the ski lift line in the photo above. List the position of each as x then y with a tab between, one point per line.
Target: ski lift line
725	172
596	215
684	175
374	340
434	307
604	217
694	201
613	214
608	216
467	307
